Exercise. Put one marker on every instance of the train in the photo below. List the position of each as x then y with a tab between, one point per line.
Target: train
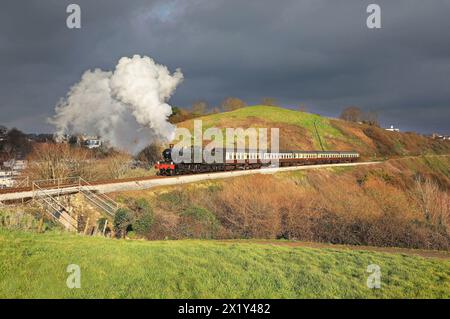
231	160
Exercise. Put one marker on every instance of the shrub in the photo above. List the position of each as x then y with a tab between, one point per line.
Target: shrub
173	200
122	221
246	213
142	216
143	223
17	220
198	222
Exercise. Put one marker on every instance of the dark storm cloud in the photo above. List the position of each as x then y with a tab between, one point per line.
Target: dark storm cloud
318	53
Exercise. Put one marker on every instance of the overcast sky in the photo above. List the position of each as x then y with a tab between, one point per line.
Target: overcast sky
312	52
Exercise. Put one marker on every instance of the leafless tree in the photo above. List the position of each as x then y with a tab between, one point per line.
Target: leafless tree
269	101
232	103
434	203
118	164
371	118
199	107
352	114
150	154
54	161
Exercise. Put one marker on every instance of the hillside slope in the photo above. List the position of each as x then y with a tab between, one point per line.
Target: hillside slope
301	130
400	203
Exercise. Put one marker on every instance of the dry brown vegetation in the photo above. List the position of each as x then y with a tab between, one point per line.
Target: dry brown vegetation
56	161
358	206
372	141
59	161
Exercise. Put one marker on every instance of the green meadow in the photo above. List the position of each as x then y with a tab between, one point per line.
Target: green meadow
35	266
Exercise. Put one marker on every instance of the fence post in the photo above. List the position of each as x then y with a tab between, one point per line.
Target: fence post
86	226
104	227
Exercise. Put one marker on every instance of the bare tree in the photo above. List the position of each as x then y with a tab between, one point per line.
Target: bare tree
179	115
352	114
269	101
434	203
232	103
199	107
150	154
118	164
54	161
371	118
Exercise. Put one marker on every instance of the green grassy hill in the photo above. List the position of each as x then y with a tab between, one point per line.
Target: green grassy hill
301	130
34	266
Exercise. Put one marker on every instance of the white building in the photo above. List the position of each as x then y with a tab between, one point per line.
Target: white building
393	129
92	143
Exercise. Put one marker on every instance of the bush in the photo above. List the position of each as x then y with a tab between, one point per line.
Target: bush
122	221
143	223
18	220
198	222
25	219
141	217
173	200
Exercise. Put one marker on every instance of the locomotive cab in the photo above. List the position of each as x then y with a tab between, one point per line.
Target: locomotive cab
167	155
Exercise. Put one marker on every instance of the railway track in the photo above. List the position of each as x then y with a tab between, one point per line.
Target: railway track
68	185
128	184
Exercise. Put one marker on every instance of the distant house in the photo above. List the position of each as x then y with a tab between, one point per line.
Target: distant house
393	129
82	140
15	165
442	137
89	141
92	143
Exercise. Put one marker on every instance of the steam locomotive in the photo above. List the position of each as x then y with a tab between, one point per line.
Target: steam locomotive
226	160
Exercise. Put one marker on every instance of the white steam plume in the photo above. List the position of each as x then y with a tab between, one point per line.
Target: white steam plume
127	107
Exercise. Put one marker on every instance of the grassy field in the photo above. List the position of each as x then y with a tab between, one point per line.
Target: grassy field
34	266
289	121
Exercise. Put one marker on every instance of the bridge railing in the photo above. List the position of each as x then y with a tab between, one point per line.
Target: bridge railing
57	182
54	207
102	201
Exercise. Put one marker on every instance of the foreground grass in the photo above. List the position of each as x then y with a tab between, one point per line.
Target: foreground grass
34	266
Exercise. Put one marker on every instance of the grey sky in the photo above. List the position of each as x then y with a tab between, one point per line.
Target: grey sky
315	52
